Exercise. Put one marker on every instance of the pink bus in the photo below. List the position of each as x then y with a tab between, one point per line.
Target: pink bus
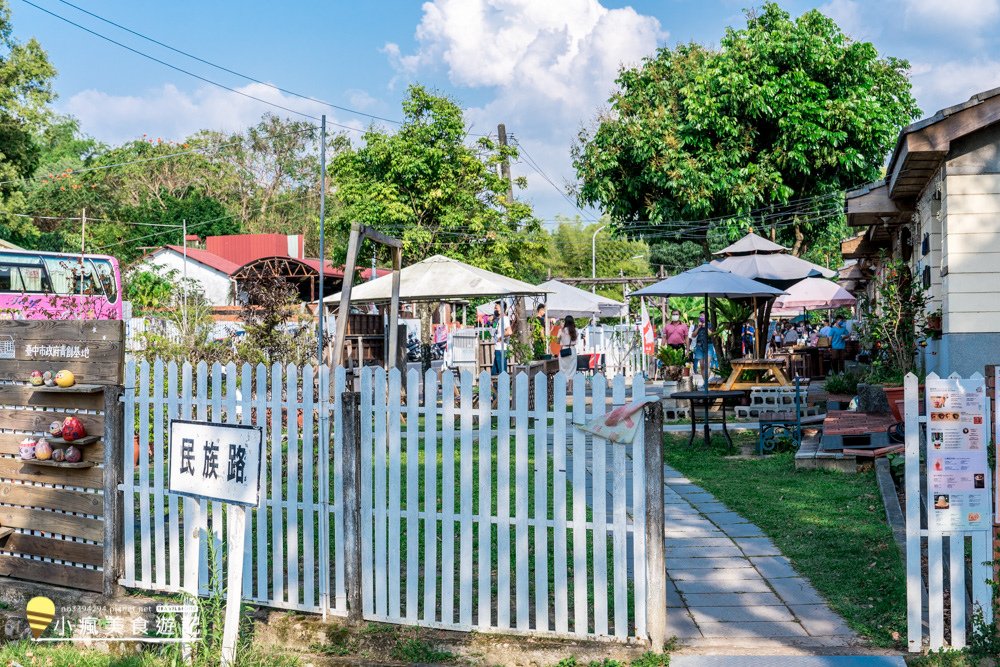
38	285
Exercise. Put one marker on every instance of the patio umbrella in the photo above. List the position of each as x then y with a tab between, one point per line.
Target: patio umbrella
709	281
440	278
812	294
563	300
757	258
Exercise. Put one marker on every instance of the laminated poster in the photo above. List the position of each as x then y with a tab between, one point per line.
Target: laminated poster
958	493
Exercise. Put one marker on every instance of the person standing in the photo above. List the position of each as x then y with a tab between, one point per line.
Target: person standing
838	344
748	338
501	333
567	348
700	339
675	332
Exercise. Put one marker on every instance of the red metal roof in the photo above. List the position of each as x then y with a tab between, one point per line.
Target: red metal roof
367	273
328	267
243	248
207	258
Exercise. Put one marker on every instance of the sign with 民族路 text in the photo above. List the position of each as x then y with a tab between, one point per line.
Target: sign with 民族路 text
215	461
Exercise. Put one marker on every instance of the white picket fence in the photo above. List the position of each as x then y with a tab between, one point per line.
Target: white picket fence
523	524
283	557
930	591
621	346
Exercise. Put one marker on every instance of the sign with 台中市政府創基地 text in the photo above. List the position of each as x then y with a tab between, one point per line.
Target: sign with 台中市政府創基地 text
215	461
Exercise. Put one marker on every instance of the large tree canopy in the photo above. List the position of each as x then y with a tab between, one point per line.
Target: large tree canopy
424	184
783	113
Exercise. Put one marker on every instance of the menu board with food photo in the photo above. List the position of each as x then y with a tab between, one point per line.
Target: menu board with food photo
956	455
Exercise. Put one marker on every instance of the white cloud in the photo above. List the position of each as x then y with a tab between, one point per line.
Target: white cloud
551	66
939	85
174	114
852	20
934	14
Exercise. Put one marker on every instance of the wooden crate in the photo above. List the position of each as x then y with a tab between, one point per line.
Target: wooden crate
64	520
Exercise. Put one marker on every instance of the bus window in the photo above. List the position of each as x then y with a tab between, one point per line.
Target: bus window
106	275
19	274
71	276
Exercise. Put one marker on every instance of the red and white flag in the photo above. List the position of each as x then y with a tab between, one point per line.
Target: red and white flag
646	327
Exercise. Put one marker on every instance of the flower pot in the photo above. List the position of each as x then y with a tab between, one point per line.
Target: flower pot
669	387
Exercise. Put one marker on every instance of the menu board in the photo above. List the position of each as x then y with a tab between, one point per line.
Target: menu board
996	425
957	472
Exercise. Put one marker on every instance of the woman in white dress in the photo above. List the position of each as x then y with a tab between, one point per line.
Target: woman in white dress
567	348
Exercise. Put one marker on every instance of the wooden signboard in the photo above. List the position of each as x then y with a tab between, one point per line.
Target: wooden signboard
59	521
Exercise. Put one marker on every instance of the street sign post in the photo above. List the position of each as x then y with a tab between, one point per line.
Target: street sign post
220	462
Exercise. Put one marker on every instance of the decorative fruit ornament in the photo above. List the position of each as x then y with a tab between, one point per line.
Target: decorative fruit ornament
55	429
72	429
65	379
35	378
49	378
58	455
73	455
43	450
27	449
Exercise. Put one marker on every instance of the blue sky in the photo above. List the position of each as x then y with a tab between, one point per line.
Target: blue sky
544	67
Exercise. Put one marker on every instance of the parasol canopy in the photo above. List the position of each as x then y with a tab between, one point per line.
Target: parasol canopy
709	281
440	278
562	300
812	294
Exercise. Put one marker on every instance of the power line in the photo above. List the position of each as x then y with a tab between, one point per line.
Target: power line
200	223
228	70
181	69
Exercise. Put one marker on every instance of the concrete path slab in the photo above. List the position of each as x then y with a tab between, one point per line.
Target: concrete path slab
729	582
786	661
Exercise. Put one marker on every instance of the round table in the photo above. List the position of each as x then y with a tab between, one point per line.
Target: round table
705	399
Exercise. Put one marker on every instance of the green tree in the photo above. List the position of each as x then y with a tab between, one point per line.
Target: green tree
25	93
572	245
425	184
785	111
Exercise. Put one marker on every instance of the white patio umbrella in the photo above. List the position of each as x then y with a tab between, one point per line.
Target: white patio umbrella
562	300
440	278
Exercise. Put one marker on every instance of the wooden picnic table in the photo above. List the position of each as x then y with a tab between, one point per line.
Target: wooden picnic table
761	368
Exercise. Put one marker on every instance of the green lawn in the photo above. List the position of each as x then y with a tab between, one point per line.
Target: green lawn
830	525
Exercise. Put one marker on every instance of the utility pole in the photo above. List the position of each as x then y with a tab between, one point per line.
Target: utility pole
83	233
184	293
505	165
520	326
322	232
593	257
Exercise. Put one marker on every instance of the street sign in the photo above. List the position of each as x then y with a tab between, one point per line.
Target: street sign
215	461
211	461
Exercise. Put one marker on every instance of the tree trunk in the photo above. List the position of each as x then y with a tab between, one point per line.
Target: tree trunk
799	240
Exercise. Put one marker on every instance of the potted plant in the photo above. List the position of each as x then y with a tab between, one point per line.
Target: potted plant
673	362
893	323
934	326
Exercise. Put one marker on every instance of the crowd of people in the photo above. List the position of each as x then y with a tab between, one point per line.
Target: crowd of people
782	333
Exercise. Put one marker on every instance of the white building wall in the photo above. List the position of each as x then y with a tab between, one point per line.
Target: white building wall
215	284
971	253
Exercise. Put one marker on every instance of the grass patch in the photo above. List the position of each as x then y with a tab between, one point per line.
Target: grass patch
417	650
830	525
645	660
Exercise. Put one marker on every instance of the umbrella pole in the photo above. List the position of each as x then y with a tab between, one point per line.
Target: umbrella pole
705	370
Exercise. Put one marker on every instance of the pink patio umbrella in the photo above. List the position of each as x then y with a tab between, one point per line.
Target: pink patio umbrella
812	294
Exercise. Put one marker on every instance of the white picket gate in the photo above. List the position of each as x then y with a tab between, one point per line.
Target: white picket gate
927	597
285	555
562	515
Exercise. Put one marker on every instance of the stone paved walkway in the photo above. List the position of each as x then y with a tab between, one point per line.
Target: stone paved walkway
729	585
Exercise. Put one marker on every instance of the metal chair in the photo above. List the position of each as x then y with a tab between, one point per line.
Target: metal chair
780	428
